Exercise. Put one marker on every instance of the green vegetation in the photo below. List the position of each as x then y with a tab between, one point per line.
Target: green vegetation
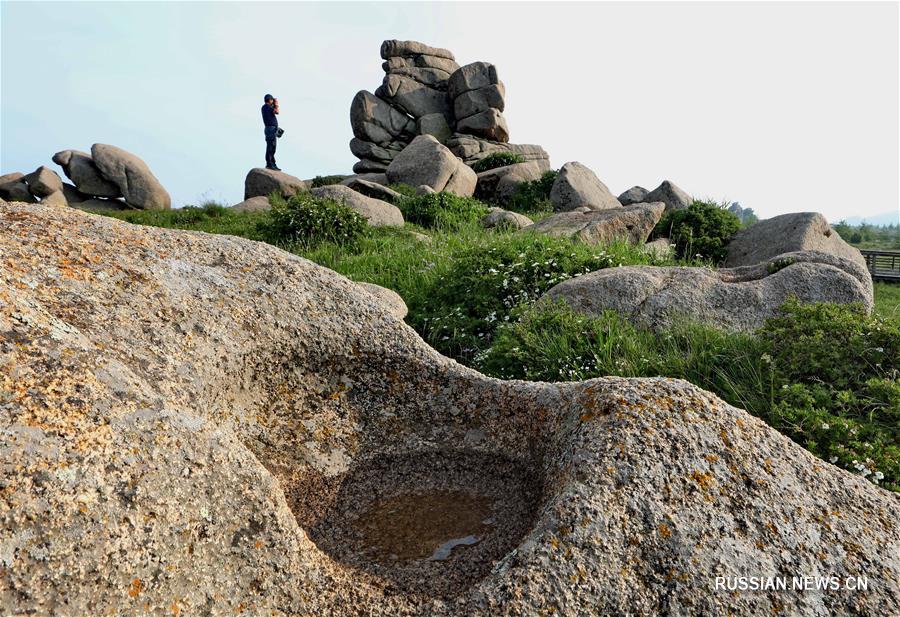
404	189
497	159
866	236
442	210
534	197
326	180
887	301
824	375
485	283
701	230
307	221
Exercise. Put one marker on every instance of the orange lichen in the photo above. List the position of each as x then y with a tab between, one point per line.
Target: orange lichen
135	588
664	530
703	479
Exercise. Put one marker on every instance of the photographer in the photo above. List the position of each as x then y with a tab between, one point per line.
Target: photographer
270	122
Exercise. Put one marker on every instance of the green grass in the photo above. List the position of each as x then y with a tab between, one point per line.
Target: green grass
825	376
887	301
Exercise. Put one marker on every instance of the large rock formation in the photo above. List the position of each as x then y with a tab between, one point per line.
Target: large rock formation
632	224
425	92
738	299
199	424
798	231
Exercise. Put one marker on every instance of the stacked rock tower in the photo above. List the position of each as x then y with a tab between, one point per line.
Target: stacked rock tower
425	92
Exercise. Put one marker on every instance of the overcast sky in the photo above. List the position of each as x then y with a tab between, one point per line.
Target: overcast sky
781	106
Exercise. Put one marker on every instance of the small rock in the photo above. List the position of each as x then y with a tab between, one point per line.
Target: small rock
378	213
631	223
634	195
254	204
498	217
578	186
262	182
671	195
43	182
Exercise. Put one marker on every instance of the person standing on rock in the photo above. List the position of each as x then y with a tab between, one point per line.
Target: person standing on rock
270	123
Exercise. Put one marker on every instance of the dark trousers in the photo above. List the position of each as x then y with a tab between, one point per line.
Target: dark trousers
270	146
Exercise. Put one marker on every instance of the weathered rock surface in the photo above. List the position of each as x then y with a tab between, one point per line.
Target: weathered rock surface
426	161
435	125
132	176
56	198
254	204
405	49
634	195
478	101
660	248
671	195
14	188
489	124
73	195
43	182
378	213
261	182
498	185
375	120
96	204
463	181
79	167
798	231
738	299
413	97
376	190
472	149
390	298
632	224
175	454
498	217
577	186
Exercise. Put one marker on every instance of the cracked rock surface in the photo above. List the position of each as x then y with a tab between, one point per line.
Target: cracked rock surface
162	391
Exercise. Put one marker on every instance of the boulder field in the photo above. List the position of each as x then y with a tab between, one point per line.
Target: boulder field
200	424
109	178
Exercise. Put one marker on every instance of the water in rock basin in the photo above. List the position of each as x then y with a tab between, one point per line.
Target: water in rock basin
430	525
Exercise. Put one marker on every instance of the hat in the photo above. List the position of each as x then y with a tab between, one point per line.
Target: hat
267	97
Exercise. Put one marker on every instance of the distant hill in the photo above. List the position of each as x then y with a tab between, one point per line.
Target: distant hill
884	218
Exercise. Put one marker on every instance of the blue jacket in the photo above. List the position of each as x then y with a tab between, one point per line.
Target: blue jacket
268	116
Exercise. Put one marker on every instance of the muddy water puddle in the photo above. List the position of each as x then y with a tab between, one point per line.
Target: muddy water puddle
432	525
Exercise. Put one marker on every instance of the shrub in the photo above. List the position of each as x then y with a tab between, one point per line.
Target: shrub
191	215
825	375
534	196
497	159
326	180
702	229
485	283
442	210
308	221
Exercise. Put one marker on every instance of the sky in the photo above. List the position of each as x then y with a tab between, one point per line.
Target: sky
782	107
